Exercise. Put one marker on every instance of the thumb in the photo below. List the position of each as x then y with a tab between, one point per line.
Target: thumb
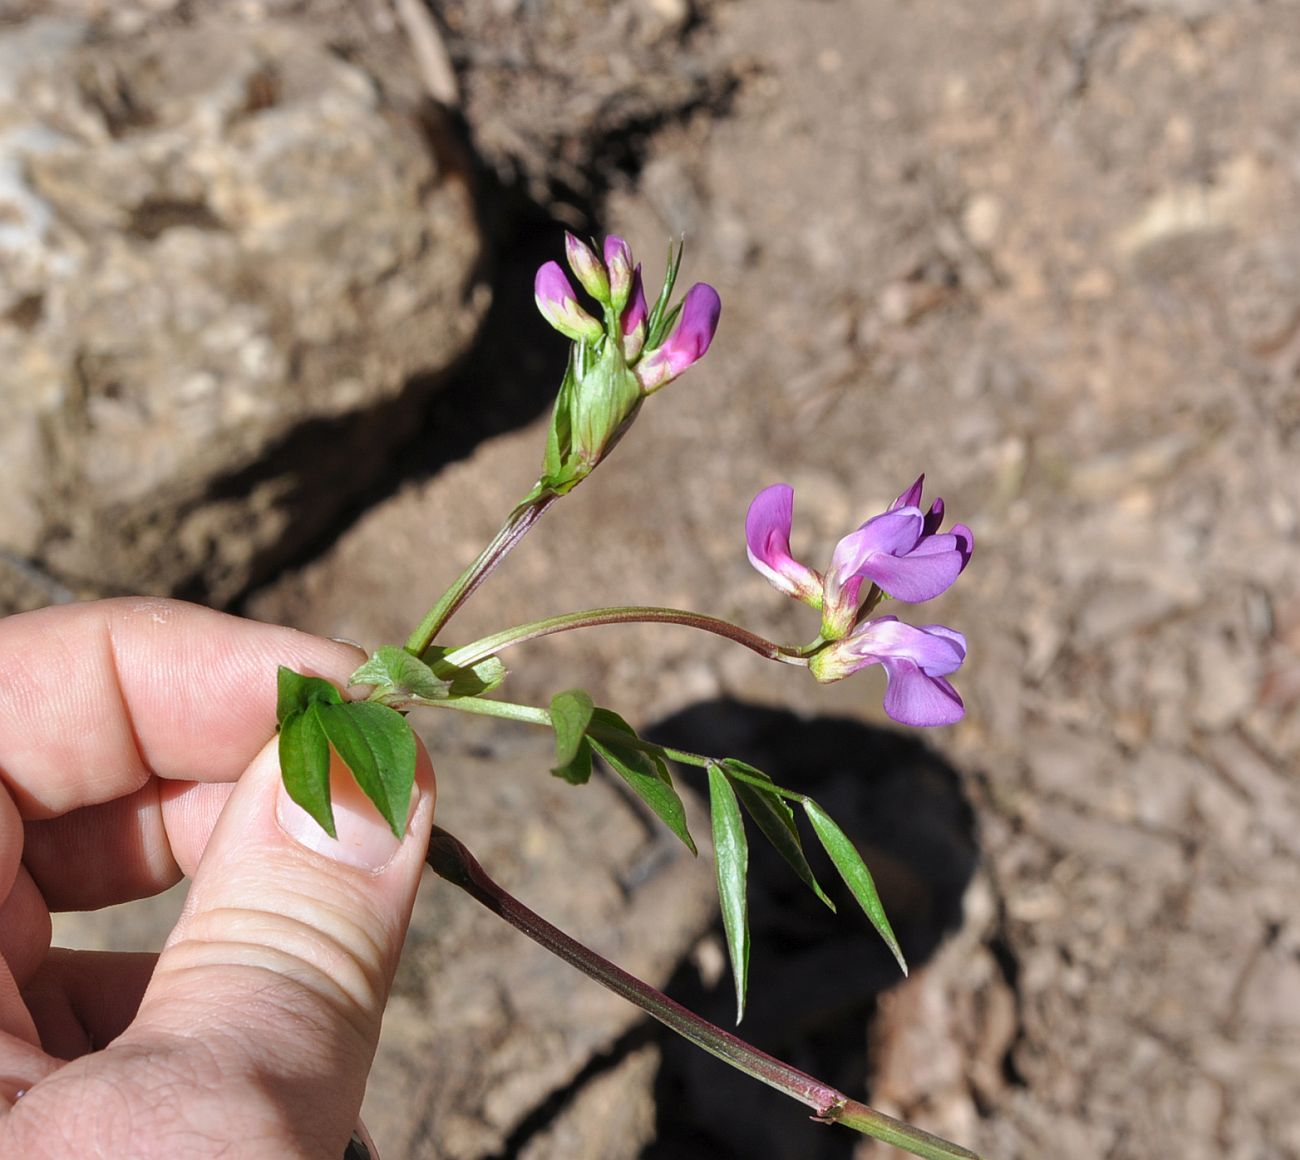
280	966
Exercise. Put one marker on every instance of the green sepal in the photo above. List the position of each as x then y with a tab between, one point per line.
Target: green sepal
305	763
656	324
377	745
571	713
854	871
645	773
467	680
775	819
294	692
399	676
731	864
558	433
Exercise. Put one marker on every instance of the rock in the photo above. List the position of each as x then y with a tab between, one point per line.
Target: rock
230	267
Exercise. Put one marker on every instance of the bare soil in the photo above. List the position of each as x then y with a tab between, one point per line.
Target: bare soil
1045	252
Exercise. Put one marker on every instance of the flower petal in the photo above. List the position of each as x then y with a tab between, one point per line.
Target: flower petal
767	540
556	299
911	497
934	649
633	318
913	698
689	339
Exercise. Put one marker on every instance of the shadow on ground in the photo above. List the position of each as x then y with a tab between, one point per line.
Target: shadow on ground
814	976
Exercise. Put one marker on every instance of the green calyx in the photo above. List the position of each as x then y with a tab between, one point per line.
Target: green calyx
598	400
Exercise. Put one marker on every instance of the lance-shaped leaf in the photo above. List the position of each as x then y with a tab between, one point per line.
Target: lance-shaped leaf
731	862
775	819
645	772
854	871
399	675
305	764
377	745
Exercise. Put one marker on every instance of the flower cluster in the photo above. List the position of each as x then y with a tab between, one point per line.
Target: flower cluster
900	553
615	282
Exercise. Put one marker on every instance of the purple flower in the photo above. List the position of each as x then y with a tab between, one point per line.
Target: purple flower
558	303
916	663
902	552
688	341
767	539
633	319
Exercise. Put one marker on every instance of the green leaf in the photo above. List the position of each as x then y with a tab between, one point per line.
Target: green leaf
294	692
646	773
731	862
578	770
630	764
775	818
570	715
395	672
376	744
854	871
305	764
468	680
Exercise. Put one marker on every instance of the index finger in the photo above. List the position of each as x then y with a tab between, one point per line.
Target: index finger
95	699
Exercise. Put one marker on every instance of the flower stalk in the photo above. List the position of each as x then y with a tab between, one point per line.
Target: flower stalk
471	654
517	525
449	858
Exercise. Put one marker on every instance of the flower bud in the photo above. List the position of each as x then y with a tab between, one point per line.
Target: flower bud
587	267
618	263
633	320
558	303
687	343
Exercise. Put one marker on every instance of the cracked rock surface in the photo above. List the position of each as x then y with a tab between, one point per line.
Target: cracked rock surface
221	243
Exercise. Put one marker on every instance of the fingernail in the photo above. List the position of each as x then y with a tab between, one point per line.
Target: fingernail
364	839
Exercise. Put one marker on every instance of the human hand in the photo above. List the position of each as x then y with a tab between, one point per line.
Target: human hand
136	747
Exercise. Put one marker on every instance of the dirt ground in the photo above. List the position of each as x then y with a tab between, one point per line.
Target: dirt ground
1046	252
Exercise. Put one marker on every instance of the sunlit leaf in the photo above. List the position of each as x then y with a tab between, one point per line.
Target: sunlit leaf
294	692
731	862
376	744
774	817
646	773
305	764
854	871
395	672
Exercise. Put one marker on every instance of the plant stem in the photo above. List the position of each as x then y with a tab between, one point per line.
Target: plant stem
512	531
534	715
452	861
629	614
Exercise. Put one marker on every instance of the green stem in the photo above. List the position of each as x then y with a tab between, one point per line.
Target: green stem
632	614
512	531
452	861
533	715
